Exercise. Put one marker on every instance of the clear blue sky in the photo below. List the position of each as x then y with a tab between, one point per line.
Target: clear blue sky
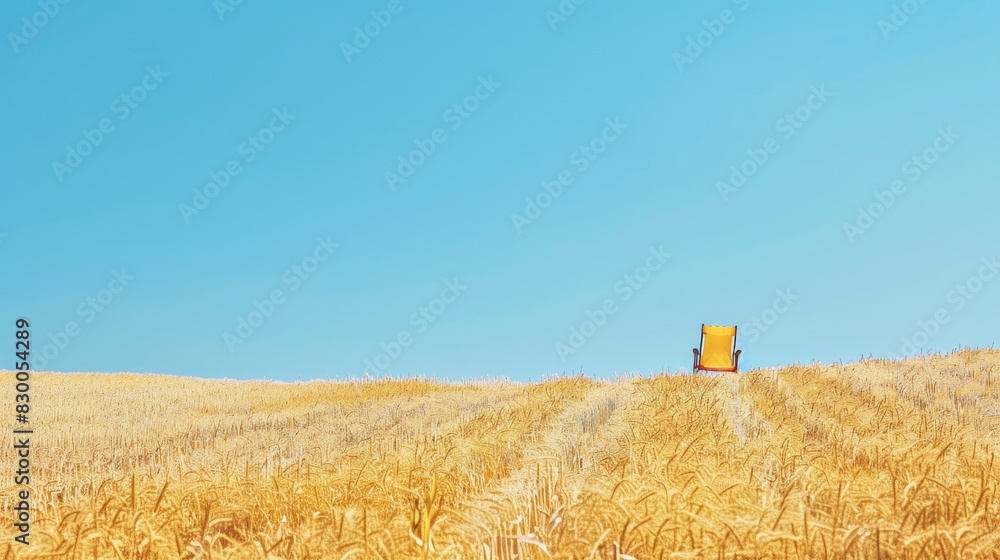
119	263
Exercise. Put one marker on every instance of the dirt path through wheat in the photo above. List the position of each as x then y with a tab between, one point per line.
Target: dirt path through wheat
520	513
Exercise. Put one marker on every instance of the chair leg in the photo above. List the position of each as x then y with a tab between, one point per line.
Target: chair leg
694	367
736	360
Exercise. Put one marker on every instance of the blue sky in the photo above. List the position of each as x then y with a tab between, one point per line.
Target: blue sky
261	190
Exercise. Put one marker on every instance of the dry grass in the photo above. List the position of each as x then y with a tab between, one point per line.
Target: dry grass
881	460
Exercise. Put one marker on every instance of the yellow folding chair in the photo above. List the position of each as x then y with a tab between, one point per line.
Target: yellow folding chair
718	350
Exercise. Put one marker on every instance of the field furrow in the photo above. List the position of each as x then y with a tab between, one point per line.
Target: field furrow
518	516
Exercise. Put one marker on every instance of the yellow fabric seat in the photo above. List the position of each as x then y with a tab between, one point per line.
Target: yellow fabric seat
718	350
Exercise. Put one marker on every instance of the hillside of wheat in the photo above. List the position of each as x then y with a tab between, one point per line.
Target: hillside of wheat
869	460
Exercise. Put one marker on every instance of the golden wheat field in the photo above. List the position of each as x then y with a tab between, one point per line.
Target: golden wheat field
878	459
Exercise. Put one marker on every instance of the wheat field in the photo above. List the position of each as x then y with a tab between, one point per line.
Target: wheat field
878	459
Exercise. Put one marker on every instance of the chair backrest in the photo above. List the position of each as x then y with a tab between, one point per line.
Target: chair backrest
717	346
